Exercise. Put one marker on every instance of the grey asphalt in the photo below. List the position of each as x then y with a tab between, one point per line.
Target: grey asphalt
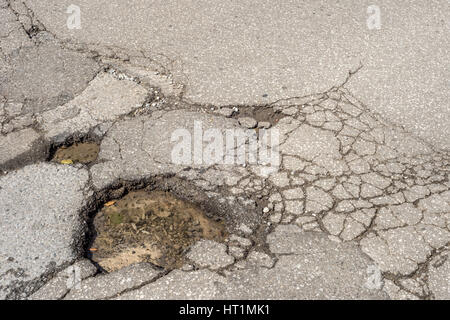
257	52
359	207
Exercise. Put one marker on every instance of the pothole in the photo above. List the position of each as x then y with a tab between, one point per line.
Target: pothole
149	226
260	114
85	152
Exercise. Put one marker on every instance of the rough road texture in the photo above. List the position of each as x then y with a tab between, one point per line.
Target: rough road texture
40	224
359	207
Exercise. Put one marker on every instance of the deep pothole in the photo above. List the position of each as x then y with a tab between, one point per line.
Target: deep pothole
149	226
157	219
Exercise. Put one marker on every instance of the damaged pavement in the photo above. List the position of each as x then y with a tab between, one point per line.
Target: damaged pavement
359	207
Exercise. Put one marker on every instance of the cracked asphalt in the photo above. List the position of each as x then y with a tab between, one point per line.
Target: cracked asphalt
359	207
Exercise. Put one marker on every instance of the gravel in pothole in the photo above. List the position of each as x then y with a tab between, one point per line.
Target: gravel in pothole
85	152
151	227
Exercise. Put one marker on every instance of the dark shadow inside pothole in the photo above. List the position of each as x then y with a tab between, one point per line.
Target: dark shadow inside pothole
149	226
79	152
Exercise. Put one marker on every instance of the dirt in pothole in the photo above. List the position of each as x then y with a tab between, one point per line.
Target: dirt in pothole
85	152
151	227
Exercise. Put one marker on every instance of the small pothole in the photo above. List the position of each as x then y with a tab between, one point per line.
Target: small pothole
149	226
85	152
260	114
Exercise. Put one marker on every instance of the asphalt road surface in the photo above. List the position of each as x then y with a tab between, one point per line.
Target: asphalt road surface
353	204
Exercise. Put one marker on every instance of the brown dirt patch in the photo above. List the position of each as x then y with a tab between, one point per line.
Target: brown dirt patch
149	226
85	153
